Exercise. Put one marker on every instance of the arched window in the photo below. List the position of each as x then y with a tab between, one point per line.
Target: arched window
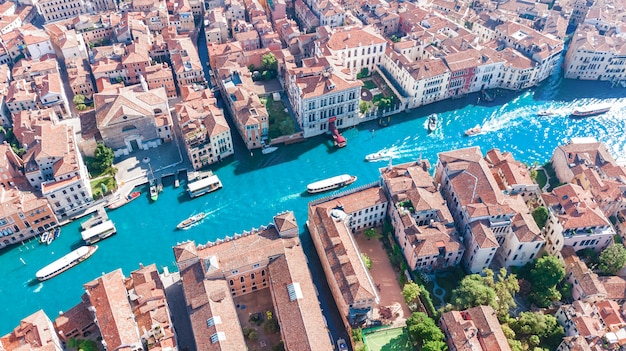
263	273
128	128
241	279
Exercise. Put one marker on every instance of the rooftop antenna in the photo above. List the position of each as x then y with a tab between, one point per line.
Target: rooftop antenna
389	166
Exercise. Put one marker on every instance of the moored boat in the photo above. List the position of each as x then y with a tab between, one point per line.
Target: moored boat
330	183
432	122
380	155
473	131
98	232
132	196
268	149
204	184
57	232
588	111
154	192
44	238
191	220
66	262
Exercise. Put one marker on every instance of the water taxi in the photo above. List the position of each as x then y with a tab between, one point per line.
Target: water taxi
204	185
66	262
588	111
132	196
92	235
191	221
473	131
330	183
380	155
432	122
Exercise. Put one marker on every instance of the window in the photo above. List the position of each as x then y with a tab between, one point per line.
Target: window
213	321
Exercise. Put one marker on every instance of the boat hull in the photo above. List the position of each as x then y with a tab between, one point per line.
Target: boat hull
190	221
330	184
66	262
584	114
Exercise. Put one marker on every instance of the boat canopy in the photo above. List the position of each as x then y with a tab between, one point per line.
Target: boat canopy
97	229
203	183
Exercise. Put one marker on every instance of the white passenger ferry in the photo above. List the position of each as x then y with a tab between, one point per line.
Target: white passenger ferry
204	185
66	262
330	183
98	232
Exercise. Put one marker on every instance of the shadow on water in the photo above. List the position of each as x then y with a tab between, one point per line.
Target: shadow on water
33	282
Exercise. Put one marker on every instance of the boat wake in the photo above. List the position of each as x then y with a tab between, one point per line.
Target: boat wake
289	197
38	288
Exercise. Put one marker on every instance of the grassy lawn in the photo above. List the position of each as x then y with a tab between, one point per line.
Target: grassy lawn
386	340
108	181
369	84
280	123
541	179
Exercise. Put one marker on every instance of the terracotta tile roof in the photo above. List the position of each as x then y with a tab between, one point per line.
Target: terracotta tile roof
470	177
302	325
514	171
34	333
353	38
575	207
615	287
587	280
108	296
112	107
477	326
611	314
523	224
285	221
211	299
342	255
150	307
75	321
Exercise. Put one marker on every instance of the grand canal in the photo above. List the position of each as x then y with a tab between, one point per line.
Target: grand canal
257	186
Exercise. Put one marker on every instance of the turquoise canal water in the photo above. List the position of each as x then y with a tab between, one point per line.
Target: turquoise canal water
259	186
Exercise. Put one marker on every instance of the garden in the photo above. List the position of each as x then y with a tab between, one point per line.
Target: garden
280	122
375	92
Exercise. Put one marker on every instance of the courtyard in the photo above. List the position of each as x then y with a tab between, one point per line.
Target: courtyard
256	315
385	277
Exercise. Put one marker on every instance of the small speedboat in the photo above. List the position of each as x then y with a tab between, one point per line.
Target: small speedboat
543	113
380	155
432	122
154	192
588	111
268	149
473	131
191	220
44	238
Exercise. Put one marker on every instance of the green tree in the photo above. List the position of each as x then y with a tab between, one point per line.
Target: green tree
495	291
538	329
434	345
612	259
103	158
411	292
371	233
364	106
471	292
81	107
271	326
506	286
547	272
78	99
366	260
533	174
540	214
422	328
363	73
270	63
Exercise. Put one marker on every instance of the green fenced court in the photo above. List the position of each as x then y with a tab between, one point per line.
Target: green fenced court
387	340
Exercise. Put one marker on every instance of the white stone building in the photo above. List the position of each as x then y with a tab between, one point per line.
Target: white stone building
318	93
